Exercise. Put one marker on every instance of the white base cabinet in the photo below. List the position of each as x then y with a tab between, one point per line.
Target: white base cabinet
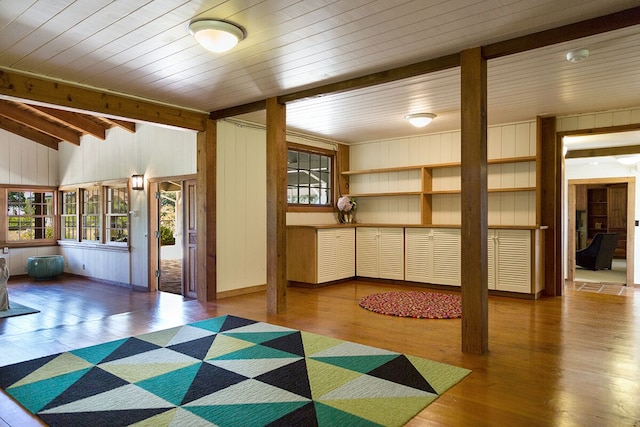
432	255
322	254
336	254
380	252
318	255
510	258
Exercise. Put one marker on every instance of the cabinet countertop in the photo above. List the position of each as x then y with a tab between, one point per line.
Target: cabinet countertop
502	227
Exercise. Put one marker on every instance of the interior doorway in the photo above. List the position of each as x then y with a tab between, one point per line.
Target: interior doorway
171	237
172	226
601	205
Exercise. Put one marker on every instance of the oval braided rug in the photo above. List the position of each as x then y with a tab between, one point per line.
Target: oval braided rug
422	305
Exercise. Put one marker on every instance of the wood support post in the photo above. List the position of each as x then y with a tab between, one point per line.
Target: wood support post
206	212
474	278
550	203
276	207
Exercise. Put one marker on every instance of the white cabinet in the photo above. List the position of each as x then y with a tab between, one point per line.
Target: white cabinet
318	255
432	255
380	252
509	260
336	254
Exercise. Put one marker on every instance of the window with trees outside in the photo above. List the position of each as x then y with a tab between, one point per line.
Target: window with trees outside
30	215
309	177
91	214
117	215
69	215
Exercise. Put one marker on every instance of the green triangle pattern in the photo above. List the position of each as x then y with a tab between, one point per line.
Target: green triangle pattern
35	396
172	386
96	353
258	337
239	376
362	364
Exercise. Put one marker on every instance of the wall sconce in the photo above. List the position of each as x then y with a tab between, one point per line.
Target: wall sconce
137	182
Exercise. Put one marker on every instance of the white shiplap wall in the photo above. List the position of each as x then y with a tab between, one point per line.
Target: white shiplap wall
241	214
509	208
153	150
24	162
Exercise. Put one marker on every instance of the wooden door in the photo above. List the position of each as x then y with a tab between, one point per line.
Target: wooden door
617	216
189	260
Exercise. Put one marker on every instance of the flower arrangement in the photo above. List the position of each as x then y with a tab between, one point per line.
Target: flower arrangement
346	209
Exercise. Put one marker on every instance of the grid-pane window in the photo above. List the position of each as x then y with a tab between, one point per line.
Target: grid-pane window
117	215
91	214
309	178
69	216
30	215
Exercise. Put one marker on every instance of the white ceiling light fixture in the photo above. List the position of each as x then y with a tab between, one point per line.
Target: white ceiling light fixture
628	160
420	120
215	35
577	55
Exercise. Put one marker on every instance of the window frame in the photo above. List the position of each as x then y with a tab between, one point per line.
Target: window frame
108	214
4	215
304	207
103	214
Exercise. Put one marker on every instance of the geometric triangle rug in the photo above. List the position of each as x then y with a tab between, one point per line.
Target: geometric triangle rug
228	371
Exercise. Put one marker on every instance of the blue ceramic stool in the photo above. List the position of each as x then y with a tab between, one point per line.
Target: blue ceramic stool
45	266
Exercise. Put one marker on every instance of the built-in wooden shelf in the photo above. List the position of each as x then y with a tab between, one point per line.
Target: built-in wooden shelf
426	181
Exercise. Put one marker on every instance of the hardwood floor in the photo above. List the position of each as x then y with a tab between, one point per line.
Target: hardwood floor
570	361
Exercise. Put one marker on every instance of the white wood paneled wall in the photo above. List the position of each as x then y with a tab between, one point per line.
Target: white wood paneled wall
242	200
152	150
600	119
509	208
24	162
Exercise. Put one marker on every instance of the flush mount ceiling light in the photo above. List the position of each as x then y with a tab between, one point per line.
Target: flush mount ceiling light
420	120
577	55
628	160
216	36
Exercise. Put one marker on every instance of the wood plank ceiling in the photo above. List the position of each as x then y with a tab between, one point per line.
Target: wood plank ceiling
144	49
50	126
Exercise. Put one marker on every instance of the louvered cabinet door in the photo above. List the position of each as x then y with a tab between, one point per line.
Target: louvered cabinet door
513	260
446	256
345	241
327	255
418	265
391	253
367	239
491	259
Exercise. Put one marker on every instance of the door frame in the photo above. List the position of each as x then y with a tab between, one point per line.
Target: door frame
571	208
154	225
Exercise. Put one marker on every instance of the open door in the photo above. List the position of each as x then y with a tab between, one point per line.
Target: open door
190	242
172	261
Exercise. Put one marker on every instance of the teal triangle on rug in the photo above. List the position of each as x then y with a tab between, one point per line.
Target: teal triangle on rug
228	371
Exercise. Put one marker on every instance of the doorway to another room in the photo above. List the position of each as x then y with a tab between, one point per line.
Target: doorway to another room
172	230
601	206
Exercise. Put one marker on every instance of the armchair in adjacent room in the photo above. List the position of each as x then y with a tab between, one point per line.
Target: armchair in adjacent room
599	254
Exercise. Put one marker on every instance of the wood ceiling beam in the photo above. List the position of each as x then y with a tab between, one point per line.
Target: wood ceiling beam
601	152
28	133
12	111
387	76
22	86
77	121
578	30
128	126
